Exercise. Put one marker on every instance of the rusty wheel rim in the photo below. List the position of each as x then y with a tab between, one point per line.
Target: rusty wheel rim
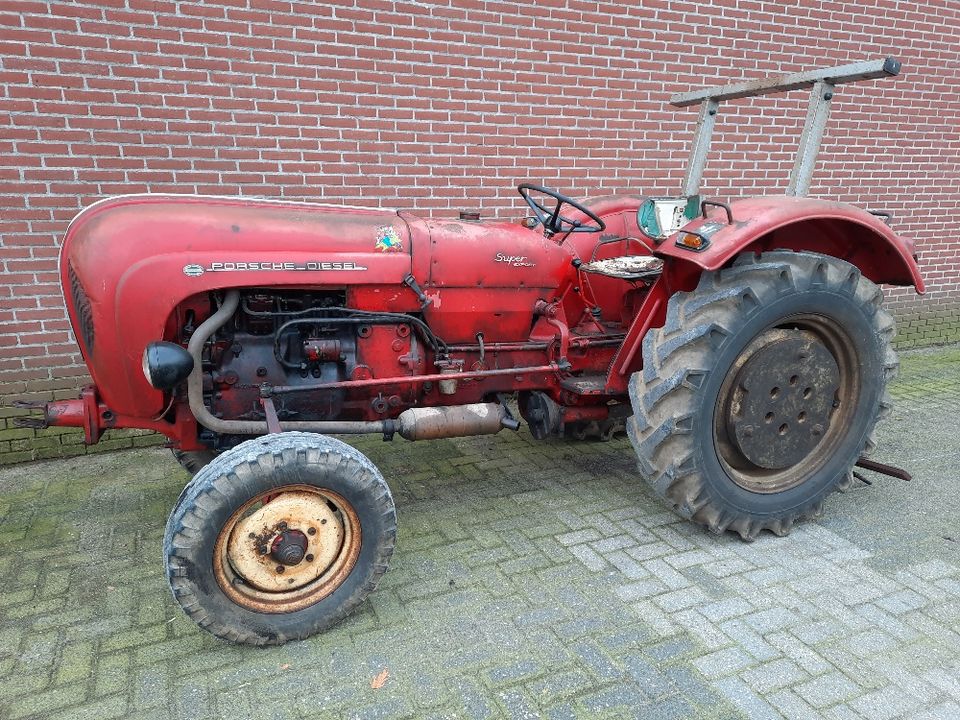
786	403
287	548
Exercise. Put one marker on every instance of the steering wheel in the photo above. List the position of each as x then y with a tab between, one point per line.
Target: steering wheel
551	219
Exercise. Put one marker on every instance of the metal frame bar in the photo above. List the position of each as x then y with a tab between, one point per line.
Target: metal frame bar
701	145
817	113
867	70
822	81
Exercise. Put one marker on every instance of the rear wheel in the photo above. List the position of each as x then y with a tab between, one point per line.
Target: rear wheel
761	390
279	538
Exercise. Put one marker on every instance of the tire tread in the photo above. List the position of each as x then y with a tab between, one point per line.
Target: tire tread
661	393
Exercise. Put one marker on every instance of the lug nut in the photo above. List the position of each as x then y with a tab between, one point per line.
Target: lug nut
323	522
309	557
282	525
311	531
280	568
262	550
252	536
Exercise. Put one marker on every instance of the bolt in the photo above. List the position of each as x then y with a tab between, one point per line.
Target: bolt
323	522
252	535
282	525
311	531
262	550
308	558
280	568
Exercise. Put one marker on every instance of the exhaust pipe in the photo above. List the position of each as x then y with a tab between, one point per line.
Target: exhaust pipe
413	424
254	427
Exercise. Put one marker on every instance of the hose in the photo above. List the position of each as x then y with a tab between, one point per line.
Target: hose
253	427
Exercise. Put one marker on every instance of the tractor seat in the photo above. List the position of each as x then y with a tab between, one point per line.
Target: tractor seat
627	267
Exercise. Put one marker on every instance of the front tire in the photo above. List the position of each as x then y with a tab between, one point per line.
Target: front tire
761	390
279	538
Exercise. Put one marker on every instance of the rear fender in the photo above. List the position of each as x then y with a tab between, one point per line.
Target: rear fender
761	224
780	222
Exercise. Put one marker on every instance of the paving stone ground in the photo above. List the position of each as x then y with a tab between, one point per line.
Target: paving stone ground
530	580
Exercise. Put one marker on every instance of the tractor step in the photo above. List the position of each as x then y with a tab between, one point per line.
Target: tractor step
585	384
628	267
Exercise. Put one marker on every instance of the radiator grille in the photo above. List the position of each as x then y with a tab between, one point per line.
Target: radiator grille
81	304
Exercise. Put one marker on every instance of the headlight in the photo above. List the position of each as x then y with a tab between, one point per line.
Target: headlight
166	364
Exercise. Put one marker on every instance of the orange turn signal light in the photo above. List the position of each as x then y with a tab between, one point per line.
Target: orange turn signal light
692	242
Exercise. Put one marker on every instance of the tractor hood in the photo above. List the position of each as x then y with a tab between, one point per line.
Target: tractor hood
232	237
128	261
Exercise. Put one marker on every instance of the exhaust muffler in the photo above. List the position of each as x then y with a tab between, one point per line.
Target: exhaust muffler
433	423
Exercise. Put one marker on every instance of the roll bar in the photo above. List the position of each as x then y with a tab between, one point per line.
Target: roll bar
822	81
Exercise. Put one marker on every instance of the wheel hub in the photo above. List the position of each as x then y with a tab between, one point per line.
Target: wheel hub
287	543
783	400
289	547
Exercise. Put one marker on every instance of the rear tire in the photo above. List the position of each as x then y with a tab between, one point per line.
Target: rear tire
279	538
761	390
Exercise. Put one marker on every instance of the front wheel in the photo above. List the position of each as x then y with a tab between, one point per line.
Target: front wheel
279	538
761	390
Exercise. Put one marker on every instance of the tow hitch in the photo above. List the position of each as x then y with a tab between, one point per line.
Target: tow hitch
880	468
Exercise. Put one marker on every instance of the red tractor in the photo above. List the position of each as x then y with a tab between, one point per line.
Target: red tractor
743	347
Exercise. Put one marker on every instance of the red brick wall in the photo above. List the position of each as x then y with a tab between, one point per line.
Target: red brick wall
437	107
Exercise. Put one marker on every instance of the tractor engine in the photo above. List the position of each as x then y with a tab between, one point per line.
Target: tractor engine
301	340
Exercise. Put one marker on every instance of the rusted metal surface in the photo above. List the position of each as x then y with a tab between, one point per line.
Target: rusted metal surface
245	562
627	267
782	400
248	427
250	548
785	404
883	469
273	422
456	421
853	72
